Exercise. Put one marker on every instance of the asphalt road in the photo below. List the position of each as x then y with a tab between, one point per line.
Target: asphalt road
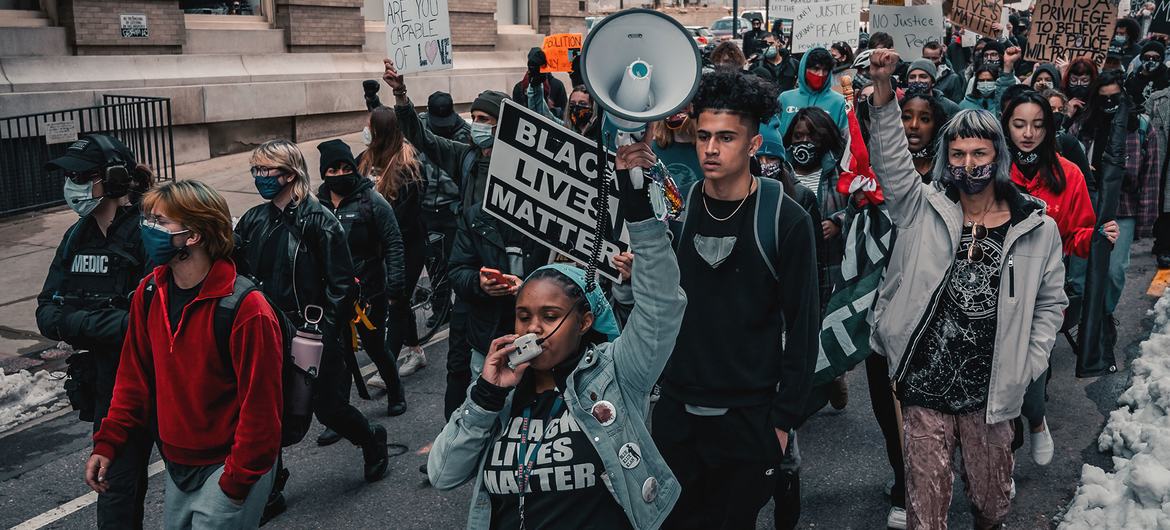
843	476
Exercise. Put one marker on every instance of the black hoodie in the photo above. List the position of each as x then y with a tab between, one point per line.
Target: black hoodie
1141	83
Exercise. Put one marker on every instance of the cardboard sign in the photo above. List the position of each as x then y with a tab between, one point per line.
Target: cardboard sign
1160	22
541	181
1067	29
560	50
977	15
911	27
418	35
134	26
60	132
820	23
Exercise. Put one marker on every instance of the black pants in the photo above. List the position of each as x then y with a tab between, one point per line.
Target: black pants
881	397
331	400
1162	234
374	344
403	329
442	221
726	465
458	360
122	505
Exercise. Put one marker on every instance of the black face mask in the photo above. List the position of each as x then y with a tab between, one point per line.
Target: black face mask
1109	105
1080	92
1060	120
344	184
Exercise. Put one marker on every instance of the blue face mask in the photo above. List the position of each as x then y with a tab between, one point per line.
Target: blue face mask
481	135
156	240
269	187
771	53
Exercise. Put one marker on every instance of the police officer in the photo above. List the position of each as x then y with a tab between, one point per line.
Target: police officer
85	303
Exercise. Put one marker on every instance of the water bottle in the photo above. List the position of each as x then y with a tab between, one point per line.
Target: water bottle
306	357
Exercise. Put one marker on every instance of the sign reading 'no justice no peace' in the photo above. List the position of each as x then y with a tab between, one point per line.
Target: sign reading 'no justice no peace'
820	23
418	35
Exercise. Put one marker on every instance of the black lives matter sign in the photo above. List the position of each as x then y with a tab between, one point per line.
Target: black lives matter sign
542	182
1068	29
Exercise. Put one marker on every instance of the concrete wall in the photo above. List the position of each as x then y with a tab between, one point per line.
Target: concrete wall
321	25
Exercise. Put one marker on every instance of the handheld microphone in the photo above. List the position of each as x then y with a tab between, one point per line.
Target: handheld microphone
531	345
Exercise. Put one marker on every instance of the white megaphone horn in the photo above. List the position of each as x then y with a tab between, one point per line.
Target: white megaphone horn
640	66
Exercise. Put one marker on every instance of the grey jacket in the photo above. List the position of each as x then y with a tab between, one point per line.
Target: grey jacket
621	372
1157	106
929	222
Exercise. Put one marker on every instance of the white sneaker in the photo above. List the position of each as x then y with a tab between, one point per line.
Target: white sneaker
376	381
896	518
413	360
1012	492
1042	446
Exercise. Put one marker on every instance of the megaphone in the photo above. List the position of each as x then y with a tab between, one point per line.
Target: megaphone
640	66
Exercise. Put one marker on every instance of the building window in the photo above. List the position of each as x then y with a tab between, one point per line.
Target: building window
221	7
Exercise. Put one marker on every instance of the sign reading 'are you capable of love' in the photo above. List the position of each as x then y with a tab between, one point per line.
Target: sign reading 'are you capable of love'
911	27
418	35
820	23
542	182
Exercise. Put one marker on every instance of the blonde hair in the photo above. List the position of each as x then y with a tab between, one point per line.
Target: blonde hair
287	156
390	154
199	208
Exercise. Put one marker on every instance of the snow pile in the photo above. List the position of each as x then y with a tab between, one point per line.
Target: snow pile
1137	494
25	395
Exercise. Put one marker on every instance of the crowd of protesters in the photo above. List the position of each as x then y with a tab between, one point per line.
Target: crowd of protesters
950	199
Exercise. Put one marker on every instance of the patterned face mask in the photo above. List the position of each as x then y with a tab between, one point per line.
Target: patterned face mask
971	179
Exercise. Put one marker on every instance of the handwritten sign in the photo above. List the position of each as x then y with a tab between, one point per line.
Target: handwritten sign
1067	29
977	15
911	27
60	132
560	50
542	182
820	23
418	35
134	26
1160	22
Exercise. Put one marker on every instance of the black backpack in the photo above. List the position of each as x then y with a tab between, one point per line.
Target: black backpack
293	427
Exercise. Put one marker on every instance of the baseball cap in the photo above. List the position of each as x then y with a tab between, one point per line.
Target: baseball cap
441	110
86	154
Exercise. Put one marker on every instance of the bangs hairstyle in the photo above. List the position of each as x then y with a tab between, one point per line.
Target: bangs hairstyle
737	92
390	158
975	123
1051	174
285	155
199	208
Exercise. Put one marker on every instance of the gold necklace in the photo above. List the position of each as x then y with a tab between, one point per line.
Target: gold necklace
751	184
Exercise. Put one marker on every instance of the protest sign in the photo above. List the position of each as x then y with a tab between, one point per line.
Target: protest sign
1067	29
418	35
1160	21
911	27
541	181
781	8
560	50
977	15
820	23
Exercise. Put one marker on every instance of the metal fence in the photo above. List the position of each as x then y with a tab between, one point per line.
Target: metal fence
28	142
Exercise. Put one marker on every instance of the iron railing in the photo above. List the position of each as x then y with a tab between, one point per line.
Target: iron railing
142	123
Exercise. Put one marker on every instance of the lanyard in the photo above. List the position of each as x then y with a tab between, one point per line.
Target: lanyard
525	458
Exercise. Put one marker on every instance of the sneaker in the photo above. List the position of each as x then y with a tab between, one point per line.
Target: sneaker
839	393
896	518
375	456
328	437
376	381
396	408
1042	446
413	360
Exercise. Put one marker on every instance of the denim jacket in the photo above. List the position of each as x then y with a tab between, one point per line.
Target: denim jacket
621	372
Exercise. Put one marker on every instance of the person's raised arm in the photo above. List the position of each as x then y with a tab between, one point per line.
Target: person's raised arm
889	154
443	152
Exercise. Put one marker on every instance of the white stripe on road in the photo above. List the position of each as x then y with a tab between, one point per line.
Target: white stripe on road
67	509
64	510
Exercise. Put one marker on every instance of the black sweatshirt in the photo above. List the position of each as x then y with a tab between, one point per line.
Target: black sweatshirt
748	339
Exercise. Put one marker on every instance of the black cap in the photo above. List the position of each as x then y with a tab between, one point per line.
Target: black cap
86	155
441	110
334	153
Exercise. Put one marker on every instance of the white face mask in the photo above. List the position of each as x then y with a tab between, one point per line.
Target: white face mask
481	135
79	197
367	136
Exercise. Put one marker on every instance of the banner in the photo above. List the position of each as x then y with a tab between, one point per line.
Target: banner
1067	29
820	23
911	27
1160	22
418	35
541	182
560	50
977	15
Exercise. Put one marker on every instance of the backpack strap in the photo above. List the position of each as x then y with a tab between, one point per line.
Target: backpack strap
225	316
771	196
148	295
468	162
678	228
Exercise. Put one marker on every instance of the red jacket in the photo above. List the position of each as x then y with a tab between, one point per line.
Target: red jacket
1072	210
208	413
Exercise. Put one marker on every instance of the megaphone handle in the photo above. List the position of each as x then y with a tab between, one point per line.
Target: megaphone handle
637	176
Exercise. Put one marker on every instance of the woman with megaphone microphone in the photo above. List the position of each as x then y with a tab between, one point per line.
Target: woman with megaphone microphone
560	440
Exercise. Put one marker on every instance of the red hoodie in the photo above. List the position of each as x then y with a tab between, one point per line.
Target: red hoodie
1071	209
208	413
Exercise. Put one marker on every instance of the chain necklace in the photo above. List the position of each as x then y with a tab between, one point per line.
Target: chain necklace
751	185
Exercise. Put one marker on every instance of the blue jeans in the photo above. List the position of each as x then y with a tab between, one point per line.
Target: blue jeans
1119	263
209	506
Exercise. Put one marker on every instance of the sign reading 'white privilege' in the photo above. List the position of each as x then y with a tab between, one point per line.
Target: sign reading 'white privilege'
418	35
541	182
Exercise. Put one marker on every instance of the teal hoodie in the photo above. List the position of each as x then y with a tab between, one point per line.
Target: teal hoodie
802	96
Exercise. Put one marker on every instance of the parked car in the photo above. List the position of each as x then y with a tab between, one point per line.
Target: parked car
701	34
722	28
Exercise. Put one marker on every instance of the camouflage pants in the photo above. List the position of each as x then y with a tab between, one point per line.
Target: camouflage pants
986	466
